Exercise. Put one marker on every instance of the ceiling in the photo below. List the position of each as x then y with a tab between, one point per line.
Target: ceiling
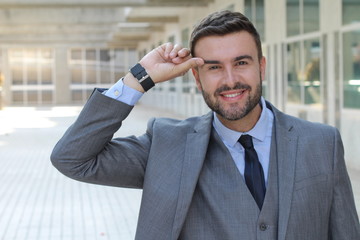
121	23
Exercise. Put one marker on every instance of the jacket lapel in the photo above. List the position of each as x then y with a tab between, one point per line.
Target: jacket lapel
286	147
195	152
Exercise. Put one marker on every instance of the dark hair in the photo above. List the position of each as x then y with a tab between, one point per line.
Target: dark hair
222	23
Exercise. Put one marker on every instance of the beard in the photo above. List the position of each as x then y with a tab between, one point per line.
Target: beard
234	111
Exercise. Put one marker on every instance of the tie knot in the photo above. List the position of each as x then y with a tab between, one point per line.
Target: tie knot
246	141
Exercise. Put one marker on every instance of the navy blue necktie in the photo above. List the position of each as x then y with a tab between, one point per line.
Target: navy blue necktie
254	174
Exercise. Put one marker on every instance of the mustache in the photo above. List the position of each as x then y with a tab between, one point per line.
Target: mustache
237	86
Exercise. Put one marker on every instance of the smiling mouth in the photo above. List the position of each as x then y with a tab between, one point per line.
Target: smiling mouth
234	94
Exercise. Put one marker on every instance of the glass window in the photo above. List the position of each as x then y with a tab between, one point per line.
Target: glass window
119	58
302	16
17	74
91	55
351	67
99	66
171	39
293	72
105	76
104	55
76	96
312	53
46	74
311	16
303	71
88	93
293	17
33	67
132	57
32	96
172	84
118	75
47	96
17	96
350	11
186	77
76	54
248	9
254	10
76	74
231	7
90	74
32	74
185	37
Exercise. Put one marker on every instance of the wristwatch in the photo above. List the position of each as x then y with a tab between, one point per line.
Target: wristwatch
140	73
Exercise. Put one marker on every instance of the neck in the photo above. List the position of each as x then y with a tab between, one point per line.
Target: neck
244	124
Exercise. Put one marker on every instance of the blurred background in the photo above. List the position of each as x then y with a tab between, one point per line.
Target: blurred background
53	53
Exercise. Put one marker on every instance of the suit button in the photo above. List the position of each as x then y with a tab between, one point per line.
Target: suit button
263	227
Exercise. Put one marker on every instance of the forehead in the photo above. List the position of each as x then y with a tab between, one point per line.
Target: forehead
227	46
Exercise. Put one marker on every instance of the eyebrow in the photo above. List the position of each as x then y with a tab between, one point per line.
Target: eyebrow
235	59
211	62
243	57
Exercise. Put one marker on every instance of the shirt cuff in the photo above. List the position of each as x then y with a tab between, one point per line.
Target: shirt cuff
120	92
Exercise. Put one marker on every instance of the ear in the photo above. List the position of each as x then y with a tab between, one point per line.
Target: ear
263	67
195	72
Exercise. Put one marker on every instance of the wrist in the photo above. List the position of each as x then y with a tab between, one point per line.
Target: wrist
144	79
132	82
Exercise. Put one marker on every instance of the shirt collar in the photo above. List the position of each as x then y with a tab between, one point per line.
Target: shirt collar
230	137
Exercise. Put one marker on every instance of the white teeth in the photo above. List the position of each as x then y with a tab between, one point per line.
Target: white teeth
232	95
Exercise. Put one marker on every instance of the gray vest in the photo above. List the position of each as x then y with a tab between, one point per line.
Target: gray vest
223	208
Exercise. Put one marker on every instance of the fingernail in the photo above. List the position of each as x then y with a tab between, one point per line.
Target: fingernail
199	62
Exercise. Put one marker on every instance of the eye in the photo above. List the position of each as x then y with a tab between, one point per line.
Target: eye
239	63
214	67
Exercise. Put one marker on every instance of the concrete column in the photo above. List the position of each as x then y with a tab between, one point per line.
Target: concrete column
62	76
6	85
275	34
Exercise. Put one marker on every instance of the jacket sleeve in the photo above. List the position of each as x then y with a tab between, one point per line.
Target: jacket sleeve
344	222
88	153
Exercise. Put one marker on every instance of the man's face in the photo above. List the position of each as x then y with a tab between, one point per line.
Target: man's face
230	80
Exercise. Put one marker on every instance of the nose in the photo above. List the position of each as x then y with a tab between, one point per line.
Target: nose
230	76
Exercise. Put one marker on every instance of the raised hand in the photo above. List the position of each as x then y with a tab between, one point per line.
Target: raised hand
166	62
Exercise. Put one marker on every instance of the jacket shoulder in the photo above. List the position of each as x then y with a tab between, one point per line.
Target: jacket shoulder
188	125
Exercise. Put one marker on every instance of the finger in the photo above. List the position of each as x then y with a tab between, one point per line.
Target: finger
179	59
175	50
190	63
168	48
184	52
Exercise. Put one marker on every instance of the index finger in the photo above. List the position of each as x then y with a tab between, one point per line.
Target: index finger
184	52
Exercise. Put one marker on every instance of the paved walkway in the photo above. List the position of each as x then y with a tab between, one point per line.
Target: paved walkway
39	203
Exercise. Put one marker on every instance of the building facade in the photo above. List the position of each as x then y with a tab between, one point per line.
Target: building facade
312	49
313	62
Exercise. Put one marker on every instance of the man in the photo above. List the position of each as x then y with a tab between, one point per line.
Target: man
243	171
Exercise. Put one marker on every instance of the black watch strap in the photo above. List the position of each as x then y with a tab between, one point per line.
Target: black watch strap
140	73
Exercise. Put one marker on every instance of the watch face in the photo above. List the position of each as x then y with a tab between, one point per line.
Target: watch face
138	71
144	79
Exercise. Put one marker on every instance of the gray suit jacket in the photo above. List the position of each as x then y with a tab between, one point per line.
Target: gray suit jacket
315	196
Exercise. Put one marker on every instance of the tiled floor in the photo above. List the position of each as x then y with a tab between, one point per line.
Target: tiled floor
39	203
